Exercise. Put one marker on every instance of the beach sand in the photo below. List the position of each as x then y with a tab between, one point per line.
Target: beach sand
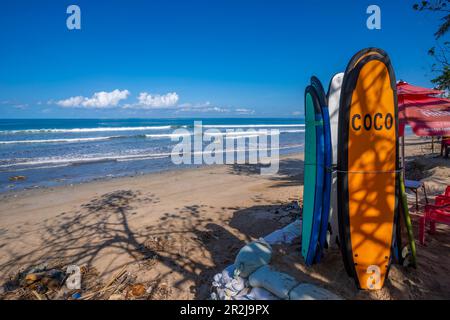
174	230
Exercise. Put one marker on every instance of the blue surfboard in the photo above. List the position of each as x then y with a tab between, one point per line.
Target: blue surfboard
327	169
313	188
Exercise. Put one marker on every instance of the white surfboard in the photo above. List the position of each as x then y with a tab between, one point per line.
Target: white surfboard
334	96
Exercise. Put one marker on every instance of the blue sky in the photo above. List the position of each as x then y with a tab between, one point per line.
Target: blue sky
192	58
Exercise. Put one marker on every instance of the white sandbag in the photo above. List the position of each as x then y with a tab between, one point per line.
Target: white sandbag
276	282
286	234
307	291
261	294
251	257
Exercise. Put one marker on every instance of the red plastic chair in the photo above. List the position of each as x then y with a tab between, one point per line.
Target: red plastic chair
437	213
447	192
441	200
445	146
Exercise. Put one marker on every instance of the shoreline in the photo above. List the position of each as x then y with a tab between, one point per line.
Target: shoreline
142	174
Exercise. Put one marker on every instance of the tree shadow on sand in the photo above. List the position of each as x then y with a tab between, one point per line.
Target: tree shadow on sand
185	241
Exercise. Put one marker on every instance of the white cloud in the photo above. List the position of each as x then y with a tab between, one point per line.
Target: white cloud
71	102
155	101
296	113
98	100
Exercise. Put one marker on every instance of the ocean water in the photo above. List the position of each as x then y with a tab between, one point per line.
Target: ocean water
52	152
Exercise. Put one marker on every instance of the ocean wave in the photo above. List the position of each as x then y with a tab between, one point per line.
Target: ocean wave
79	161
167	135
293	131
81	130
61	140
40	163
234	135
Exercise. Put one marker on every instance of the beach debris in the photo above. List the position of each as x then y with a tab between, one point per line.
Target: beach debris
138	290
43	282
251	257
31	278
227	286
280	284
116	296
38	268
76	295
47	282
109	285
158	290
17	178
37	295
307	291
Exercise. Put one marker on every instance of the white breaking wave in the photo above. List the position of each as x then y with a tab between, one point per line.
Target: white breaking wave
237	135
167	135
233	135
56	162
293	131
75	161
61	140
77	130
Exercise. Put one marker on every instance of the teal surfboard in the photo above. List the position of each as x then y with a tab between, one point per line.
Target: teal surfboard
313	175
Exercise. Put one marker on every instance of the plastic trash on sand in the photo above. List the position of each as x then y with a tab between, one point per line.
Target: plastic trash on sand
286	234
278	283
226	286
251	257
308	291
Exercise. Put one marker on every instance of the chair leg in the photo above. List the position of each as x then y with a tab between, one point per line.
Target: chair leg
425	193
432	227
422	230
417	201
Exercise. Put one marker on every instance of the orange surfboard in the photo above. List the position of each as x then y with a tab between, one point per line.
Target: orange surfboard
368	167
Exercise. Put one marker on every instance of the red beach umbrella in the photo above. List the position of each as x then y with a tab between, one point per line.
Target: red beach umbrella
419	107
404	88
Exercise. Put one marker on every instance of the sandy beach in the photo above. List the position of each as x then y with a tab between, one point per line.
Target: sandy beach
174	230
